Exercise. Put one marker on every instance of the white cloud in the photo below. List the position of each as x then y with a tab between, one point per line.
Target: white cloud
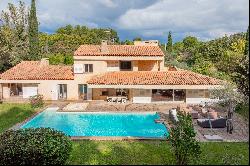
108	3
149	19
207	18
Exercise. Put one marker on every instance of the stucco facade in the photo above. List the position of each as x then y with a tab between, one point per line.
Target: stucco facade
87	67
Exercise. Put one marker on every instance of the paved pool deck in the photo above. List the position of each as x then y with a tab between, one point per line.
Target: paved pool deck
240	132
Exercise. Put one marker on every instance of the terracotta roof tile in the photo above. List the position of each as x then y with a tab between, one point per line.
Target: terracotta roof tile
179	77
33	70
119	50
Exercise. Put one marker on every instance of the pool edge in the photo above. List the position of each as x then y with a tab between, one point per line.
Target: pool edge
114	138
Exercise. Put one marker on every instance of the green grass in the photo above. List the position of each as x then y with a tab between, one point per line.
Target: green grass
11	114
152	153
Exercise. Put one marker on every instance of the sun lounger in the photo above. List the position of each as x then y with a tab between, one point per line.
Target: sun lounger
216	123
213	138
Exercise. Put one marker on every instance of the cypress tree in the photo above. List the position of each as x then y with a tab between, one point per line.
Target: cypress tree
247	42
170	43
33	33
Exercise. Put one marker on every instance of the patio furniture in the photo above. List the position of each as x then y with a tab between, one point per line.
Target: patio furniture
117	99
213	137
194	114
216	123
173	115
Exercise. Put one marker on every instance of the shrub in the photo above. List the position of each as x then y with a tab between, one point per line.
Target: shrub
182	139
243	109
39	146
36	101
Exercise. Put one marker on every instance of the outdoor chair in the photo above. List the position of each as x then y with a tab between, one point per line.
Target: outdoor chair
173	115
216	123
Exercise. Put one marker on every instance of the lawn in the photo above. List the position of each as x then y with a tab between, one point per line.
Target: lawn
152	153
10	114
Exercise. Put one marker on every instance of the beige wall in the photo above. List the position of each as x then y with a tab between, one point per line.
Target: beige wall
97	94
98	66
6	91
46	89
148	66
142	95
195	96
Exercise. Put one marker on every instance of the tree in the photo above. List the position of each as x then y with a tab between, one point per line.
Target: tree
241	75
169	47
229	96
182	139
246	52
33	33
127	42
137	39
14	42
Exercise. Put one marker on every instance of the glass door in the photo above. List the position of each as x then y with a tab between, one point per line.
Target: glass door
82	91
62	93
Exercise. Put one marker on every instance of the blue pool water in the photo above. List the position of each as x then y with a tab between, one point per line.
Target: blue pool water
100	124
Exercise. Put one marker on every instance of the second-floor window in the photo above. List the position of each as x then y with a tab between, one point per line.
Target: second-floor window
125	65
88	68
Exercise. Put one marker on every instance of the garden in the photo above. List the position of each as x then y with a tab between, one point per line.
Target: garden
40	145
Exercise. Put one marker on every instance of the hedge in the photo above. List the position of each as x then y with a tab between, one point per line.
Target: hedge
39	146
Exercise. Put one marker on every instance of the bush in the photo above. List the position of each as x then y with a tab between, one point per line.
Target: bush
243	109
36	101
182	138
39	146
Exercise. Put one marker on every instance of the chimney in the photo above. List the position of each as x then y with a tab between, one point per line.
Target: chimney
104	48
44	62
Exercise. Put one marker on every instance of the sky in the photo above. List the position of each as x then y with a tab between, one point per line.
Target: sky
148	19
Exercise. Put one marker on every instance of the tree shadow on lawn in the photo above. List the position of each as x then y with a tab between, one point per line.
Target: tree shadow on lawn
14	115
121	153
153	153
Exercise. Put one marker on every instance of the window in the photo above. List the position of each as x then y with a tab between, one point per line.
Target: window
88	68
16	90
125	65
121	92
78	68
162	95
179	95
104	93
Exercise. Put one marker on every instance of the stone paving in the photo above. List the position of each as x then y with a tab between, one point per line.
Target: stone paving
128	107
240	131
75	107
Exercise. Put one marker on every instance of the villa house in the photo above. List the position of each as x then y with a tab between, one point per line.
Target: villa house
136	71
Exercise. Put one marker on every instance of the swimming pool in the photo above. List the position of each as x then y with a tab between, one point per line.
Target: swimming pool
100	124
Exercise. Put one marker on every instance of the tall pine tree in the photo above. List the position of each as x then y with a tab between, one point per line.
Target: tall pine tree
33	33
169	47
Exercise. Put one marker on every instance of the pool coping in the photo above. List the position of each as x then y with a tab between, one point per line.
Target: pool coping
114	138
97	138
